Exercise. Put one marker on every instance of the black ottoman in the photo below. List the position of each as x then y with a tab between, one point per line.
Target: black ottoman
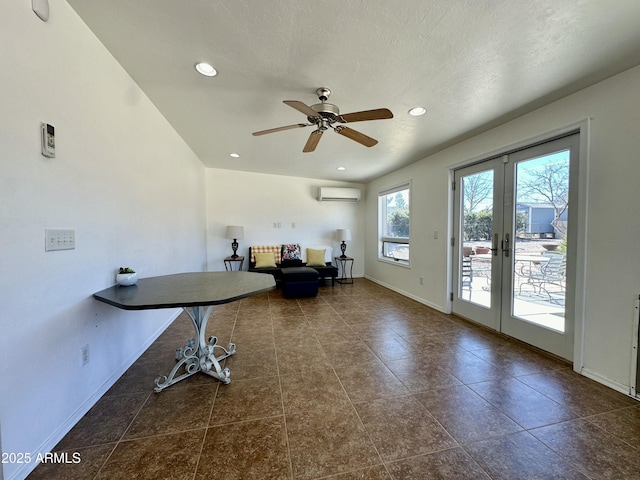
299	282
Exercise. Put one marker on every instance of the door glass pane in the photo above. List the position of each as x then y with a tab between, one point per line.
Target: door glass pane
540	247
475	258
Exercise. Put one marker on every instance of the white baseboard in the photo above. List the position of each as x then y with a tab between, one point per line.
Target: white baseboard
407	294
81	411
619	387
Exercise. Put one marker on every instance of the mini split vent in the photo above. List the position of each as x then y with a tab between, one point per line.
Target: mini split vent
336	194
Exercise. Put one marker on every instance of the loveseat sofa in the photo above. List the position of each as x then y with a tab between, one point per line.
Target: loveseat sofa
273	258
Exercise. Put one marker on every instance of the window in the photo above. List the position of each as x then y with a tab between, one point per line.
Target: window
393	226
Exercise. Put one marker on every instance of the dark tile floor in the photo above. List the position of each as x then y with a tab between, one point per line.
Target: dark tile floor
358	383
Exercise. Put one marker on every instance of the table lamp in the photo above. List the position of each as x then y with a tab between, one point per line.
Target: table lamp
343	234
235	233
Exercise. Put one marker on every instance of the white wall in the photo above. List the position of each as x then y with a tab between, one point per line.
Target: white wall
128	185
428	255
257	201
613	224
137	196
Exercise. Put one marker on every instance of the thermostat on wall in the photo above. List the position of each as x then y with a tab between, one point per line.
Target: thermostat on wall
48	140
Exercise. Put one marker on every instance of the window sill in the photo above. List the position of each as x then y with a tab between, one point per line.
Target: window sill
398	263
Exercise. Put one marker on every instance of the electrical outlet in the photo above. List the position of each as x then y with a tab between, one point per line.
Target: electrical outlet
421	280
85	354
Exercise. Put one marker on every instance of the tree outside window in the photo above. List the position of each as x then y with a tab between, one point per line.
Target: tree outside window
543	181
394	233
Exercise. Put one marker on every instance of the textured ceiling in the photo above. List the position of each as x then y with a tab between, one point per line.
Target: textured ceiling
472	63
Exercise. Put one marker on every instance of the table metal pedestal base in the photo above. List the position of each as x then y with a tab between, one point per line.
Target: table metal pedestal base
198	355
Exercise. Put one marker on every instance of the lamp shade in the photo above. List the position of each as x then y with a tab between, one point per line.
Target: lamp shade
235	232
343	234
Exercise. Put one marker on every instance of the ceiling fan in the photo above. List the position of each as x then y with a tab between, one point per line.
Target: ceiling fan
324	115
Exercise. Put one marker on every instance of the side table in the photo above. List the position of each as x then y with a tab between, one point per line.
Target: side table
344	263
229	261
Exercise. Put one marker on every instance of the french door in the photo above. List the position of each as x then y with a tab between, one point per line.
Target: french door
513	261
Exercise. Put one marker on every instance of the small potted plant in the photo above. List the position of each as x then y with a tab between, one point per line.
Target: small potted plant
126	276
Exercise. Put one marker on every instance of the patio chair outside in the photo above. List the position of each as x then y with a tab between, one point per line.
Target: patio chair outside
467	273
549	277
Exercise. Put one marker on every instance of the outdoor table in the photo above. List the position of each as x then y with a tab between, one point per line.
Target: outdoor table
529	260
484	259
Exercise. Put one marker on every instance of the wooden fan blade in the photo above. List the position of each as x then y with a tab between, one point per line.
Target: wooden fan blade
377	114
312	141
279	129
356	136
301	107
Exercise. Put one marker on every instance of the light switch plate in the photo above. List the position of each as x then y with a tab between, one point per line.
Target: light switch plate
59	239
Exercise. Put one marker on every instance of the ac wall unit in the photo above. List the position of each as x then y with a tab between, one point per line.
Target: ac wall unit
337	194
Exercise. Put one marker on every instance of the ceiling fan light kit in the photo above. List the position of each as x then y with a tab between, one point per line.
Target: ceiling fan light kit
324	115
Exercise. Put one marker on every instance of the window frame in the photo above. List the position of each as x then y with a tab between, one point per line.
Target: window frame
383	238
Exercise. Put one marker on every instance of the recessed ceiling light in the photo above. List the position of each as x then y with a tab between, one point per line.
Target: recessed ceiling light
234	155
206	69
417	111
342	169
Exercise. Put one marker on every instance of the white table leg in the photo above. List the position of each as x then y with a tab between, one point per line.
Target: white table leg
198	358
